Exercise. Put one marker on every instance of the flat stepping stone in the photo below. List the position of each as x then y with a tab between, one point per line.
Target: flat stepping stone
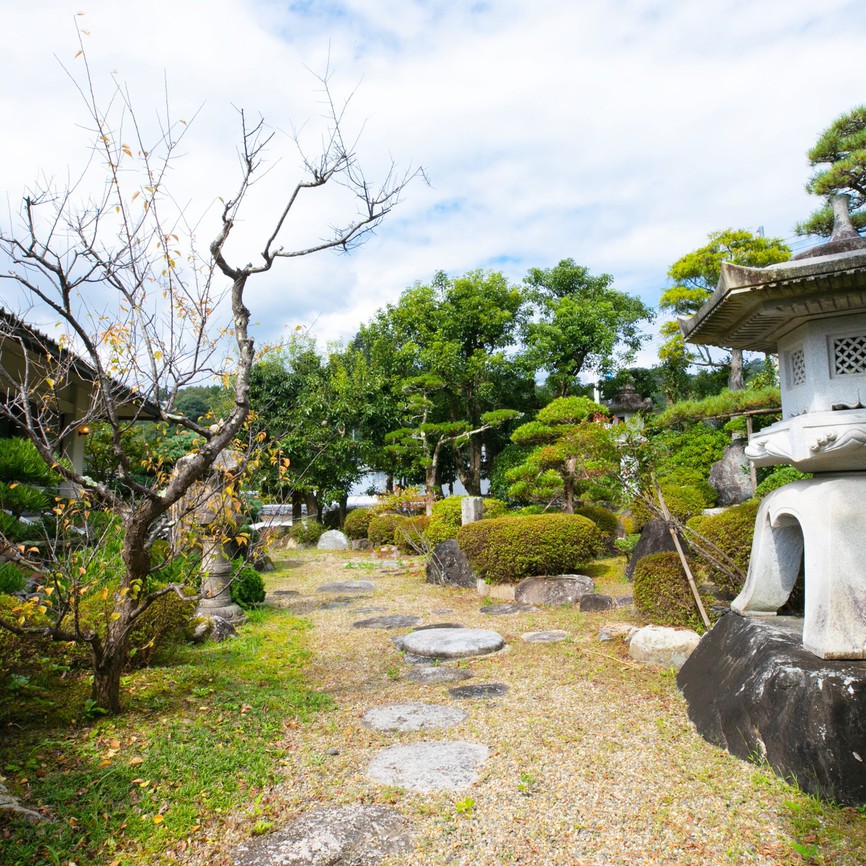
596	603
507	609
431	766
393	621
480	692
284	592
398	641
340	601
369	609
412	716
433	675
360	835
452	643
355	586
546	636
442	611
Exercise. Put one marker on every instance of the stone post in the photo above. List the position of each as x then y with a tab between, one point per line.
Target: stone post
471	509
216	584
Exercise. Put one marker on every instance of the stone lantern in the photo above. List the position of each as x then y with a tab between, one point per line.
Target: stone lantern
627	403
812	312
208	508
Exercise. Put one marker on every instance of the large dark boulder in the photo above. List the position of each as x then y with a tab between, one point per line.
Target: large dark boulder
448	566
730	476
752	688
655	538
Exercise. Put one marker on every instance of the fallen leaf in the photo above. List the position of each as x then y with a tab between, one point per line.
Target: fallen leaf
157	819
136	761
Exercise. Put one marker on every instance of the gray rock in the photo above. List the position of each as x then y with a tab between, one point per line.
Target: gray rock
10	804
752	688
452	643
356	586
558	590
545	636
398	641
596	603
507	609
213	628
412	716
436	766
479	692
448	566
435	675
624	600
361	544
730	476
340	601
369	609
284	592
393	621
655	538
333	539
333	836
662	647
613	630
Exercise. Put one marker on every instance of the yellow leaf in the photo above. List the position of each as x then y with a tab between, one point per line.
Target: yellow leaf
135	195
78	54
49	382
157	819
115	615
136	761
13	485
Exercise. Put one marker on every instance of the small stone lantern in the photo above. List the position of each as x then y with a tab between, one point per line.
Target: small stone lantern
812	312
208	507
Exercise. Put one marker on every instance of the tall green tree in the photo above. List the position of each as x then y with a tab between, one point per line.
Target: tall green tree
461	333
839	157
579	322
694	278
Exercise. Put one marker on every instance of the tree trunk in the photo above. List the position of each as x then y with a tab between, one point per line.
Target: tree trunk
312	505
297	506
108	663
735	377
469	470
344	500
568	485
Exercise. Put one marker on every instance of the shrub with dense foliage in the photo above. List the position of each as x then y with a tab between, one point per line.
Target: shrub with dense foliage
357	522
603	518
410	534
247	586
779	477
662	593
507	549
448	515
307	532
731	532
381	528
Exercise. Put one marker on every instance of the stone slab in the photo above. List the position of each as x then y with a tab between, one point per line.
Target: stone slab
429	766
596	603
412	716
557	590
437	674
347	586
354	835
452	643
553	636
753	689
479	692
340	601
392	621
507	609
369	609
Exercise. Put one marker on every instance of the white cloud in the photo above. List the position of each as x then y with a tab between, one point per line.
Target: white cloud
616	133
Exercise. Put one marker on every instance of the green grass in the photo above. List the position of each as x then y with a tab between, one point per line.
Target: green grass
202	735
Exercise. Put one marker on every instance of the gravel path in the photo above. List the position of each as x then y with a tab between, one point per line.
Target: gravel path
592	759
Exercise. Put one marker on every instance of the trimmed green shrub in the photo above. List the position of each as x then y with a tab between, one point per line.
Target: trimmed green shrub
448	516
381	529
507	549
247	587
357	522
307	531
439	530
409	534
682	502
662	593
164	622
779	477
603	518
732	532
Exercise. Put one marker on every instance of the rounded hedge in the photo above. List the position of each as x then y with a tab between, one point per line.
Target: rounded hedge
409	534
662	593
247	586
507	549
307	531
357	522
381	529
603	518
732	532
779	477
439	530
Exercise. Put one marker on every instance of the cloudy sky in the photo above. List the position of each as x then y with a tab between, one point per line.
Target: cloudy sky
615	132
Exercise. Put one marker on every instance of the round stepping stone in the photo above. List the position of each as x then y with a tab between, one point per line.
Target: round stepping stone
449	766
412	716
432	675
507	609
398	641
364	835
545	636
452	643
479	692
393	621
355	586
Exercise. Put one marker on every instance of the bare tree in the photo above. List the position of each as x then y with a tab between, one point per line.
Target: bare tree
138	310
